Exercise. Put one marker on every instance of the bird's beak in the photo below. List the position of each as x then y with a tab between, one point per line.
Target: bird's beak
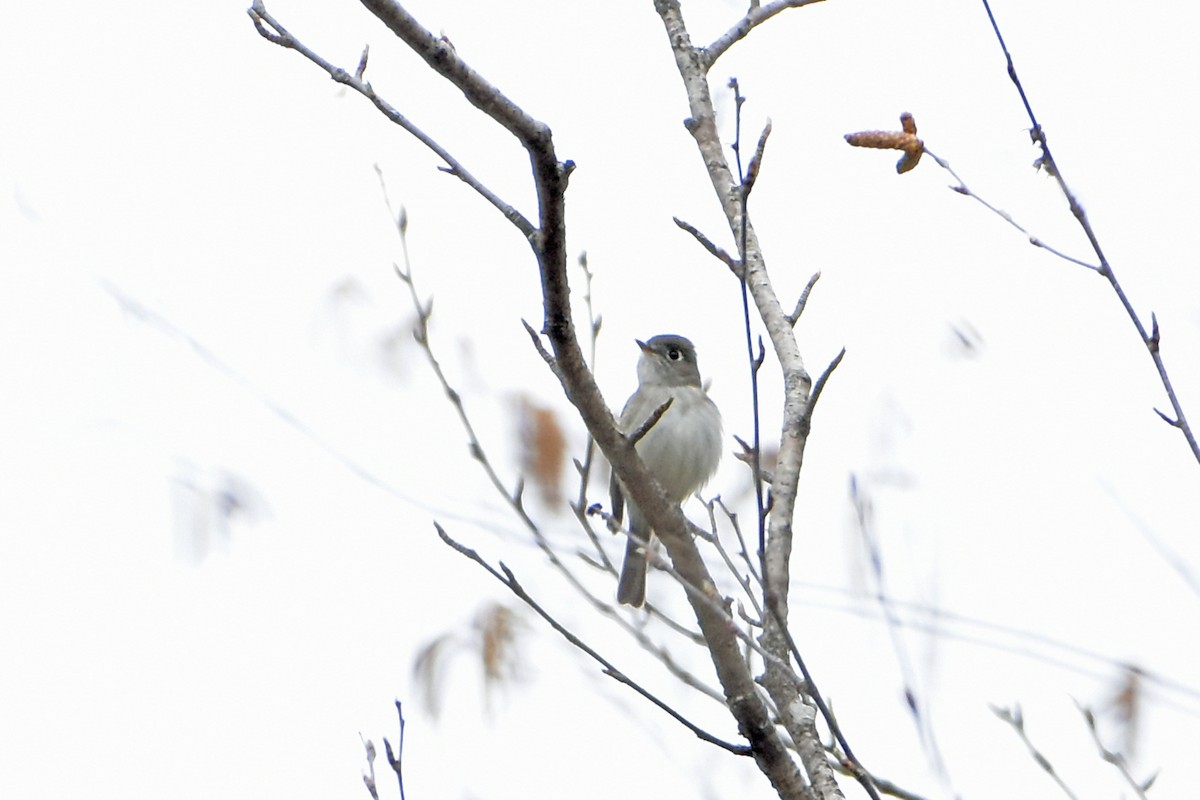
645	347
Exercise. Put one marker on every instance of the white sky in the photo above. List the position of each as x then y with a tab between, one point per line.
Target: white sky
228	187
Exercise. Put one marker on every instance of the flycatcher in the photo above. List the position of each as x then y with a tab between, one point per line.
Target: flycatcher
682	450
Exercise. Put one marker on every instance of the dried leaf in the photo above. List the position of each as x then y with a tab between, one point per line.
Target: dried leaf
543	450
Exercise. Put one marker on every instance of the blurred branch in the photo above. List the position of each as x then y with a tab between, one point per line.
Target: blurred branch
152	318
883	784
1016	721
369	776
1116	759
945	624
863	511
1174	559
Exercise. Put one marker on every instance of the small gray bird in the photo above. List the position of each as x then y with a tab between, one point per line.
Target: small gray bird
682	450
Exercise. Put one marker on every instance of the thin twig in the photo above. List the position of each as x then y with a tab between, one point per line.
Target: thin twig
280	36
744	582
755	363
822	379
860	501
885	786
713	603
756	161
1047	162
860	772
395	759
1116	759
734	265
585	468
1016	720
650	422
802	302
541	349
757	15
162	324
962	188
369	776
745	551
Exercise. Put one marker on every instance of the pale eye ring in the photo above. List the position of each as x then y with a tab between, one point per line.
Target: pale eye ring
674	354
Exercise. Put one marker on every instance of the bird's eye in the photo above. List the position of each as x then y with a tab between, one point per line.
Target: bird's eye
674	354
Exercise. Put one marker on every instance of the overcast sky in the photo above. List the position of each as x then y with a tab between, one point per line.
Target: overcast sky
197	301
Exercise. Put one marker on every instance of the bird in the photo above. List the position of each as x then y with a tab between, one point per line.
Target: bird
681	450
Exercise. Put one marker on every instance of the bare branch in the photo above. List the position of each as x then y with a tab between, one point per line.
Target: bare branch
757	15
369	776
794	317
693	65
824	378
885	786
440	55
861	502
797	383
1016	721
514	498
650	422
541	349
506	576
706	243
1116	759
715	539
965	190
395	759
751	709
756	161
280	36
362	62
1047	162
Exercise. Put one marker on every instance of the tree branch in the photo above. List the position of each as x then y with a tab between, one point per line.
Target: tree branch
510	580
1116	759
802	301
548	245
1047	162
693	65
273	31
708	245
757	15
1017	722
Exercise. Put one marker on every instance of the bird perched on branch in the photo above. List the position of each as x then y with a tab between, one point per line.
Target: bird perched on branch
681	449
